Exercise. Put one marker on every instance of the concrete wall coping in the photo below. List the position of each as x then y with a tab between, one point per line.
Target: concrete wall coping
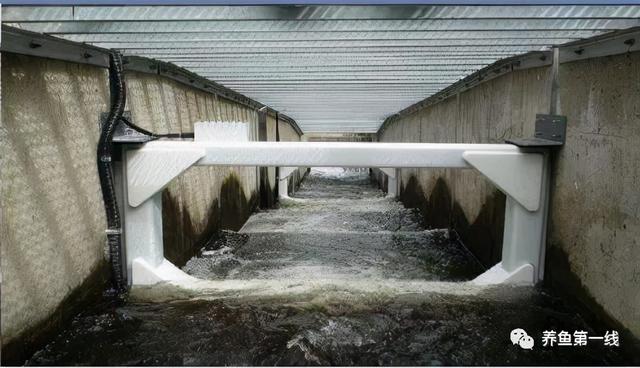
19	41
612	43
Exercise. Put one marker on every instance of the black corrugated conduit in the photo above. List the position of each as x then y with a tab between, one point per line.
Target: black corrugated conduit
154	135
105	172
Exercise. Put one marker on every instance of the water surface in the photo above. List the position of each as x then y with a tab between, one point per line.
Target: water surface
339	275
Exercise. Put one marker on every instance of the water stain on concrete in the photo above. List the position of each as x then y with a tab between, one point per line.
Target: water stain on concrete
267	196
558	276
234	208
87	295
483	236
179	234
183	238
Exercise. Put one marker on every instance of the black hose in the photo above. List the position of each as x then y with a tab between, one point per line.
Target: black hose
137	128
154	135
105	172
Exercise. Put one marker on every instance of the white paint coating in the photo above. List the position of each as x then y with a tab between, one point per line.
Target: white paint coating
146	274
151	168
143	232
392	181
286	171
515	173
283	188
390	172
340	154
499	275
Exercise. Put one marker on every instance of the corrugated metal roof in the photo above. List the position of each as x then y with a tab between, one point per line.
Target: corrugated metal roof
331	68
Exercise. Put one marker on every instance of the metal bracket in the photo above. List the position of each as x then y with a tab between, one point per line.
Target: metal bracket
550	131
124	133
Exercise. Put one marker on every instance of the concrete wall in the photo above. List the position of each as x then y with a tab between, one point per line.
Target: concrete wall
53	221
464	199
53	218
595	212
193	203
594	226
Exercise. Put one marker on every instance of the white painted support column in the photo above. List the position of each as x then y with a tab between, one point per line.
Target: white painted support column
524	236
392	181
144	250
283	188
283	181
143	229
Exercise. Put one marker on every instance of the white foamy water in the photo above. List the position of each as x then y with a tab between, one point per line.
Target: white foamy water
343	237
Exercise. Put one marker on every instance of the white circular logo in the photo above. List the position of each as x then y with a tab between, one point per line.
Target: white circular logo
521	338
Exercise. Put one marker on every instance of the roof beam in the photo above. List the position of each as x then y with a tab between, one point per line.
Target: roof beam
443	25
327	36
312	12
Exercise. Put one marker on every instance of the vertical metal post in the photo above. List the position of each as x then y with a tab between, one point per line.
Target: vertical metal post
555	84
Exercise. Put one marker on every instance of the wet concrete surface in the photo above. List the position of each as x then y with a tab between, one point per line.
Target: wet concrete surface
339	229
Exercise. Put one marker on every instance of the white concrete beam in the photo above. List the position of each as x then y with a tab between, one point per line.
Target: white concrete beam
328	154
515	173
343	154
152	167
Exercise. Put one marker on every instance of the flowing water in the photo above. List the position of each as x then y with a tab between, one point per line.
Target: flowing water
337	275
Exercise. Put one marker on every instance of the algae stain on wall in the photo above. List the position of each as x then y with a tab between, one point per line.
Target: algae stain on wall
183	238
235	207
440	210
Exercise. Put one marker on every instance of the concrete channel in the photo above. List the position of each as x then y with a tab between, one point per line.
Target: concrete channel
340	275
